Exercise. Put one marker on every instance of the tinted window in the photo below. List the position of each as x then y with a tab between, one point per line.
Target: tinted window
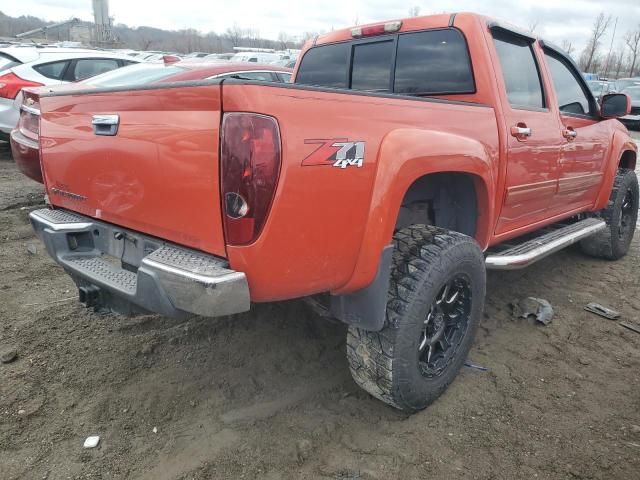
433	62
325	66
89	67
372	66
520	72
53	70
571	97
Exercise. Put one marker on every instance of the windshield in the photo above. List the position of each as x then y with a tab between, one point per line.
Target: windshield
633	92
138	74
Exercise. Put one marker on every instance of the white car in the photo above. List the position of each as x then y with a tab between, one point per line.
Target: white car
22	67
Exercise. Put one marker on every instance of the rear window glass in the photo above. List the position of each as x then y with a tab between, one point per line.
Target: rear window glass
6	62
325	66
433	62
430	62
53	70
372	66
137	74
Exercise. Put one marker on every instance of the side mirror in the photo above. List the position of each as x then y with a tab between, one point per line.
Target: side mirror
614	105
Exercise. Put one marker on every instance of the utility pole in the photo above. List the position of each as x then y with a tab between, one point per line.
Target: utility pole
606	68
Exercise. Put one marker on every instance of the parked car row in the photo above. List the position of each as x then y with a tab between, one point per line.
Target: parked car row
22	67
603	86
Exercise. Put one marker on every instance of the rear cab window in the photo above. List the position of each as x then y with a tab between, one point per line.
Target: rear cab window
429	62
520	72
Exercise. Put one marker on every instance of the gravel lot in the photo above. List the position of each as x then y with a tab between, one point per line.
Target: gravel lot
268	394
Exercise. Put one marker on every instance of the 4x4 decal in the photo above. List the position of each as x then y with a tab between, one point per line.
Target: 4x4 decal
338	152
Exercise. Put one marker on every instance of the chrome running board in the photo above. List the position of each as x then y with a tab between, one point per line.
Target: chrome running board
530	251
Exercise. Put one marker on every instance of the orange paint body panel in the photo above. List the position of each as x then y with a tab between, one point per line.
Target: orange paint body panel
158	175
327	226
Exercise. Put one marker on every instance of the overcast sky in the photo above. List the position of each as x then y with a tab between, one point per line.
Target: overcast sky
556	20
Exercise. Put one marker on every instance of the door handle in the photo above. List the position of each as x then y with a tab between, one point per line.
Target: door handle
569	133
520	131
105	124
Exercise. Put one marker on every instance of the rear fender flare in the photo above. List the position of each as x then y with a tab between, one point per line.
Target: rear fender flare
404	156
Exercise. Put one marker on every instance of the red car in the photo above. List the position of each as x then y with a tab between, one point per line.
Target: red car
26	145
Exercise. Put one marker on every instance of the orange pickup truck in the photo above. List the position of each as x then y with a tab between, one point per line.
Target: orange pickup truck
405	159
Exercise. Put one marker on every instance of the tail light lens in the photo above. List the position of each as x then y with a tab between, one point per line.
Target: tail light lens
169	59
29	123
11	84
250	158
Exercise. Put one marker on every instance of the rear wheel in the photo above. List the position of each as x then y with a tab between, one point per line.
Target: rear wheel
436	299
621	215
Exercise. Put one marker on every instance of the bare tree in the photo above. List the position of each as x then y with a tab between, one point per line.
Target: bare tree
414	11
600	27
234	34
568	47
283	40
533	26
632	40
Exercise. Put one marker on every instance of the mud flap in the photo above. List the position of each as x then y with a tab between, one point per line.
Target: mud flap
366	308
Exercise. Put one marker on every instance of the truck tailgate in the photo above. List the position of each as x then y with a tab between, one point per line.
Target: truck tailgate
158	174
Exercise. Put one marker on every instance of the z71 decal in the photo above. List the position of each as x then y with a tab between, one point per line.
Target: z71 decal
338	152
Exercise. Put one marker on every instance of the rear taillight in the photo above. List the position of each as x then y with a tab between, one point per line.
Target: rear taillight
250	160
11	84
29	123
169	59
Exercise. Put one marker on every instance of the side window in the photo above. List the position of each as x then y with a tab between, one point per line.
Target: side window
520	71
262	76
570	94
372	66
90	67
54	70
433	62
284	77
325	66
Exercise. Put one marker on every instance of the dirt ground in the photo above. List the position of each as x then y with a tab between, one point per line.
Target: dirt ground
268	394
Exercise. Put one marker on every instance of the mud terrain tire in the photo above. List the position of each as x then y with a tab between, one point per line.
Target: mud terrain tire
436	298
621	215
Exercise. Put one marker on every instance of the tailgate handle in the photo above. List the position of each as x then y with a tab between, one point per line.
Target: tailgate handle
105	124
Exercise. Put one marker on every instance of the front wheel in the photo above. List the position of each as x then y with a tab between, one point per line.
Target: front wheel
435	303
621	215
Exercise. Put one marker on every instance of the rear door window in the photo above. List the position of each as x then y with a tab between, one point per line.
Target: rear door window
90	67
433	62
520	71
53	70
372	64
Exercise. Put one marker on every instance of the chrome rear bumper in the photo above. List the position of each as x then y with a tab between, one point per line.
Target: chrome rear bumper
114	267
